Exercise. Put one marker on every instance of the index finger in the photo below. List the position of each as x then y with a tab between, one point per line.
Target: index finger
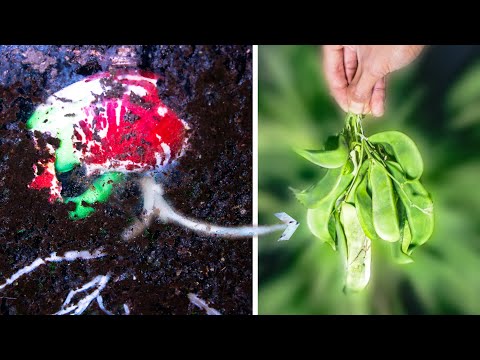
334	69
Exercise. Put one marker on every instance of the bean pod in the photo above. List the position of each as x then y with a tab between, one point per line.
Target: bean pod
334	154
370	193
403	149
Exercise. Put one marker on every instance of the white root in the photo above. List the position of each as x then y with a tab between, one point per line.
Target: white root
195	300
101	306
155	206
99	283
68	256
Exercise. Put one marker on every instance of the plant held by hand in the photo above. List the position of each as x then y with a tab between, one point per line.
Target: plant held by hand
371	192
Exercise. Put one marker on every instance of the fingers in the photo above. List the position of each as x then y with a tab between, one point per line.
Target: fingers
354	86
334	69
350	62
360	90
377	103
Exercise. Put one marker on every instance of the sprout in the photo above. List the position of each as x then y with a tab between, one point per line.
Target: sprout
111	123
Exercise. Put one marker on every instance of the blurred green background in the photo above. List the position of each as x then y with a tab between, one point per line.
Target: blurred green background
436	101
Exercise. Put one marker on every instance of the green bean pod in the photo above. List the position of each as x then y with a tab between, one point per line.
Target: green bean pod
384	211
358	179
399	256
358	247
399	249
318	221
363	204
332	184
341	240
403	149
406	234
418	206
318	217
334	155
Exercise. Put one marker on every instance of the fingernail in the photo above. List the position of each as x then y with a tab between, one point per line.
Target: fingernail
356	108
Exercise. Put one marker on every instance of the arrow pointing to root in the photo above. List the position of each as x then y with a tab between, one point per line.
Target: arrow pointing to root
156	207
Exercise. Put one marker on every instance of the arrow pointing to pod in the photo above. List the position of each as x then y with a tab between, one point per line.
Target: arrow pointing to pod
156	207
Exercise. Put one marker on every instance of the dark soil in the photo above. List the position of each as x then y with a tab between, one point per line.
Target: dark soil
210	88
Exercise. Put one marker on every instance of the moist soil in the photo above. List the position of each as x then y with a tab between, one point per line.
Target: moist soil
207	86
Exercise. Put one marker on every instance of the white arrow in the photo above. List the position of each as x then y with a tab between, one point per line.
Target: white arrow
155	206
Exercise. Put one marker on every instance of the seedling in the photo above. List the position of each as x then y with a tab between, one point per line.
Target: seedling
114	124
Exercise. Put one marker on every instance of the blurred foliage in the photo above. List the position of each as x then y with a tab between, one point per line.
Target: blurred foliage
303	276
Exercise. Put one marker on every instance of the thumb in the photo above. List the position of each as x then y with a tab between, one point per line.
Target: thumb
360	90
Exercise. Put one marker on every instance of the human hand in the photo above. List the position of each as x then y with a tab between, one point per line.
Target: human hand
356	73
